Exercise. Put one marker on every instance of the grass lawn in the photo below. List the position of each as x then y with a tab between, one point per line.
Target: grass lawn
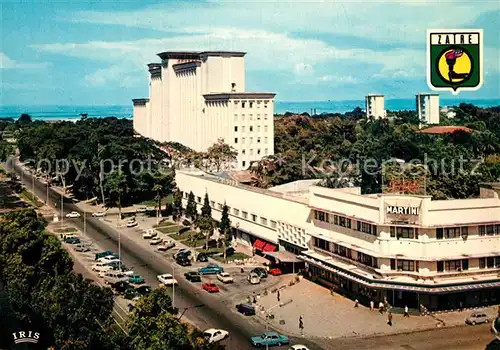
198	243
183	236
170	229
164	224
152	202
65	230
28	197
235	256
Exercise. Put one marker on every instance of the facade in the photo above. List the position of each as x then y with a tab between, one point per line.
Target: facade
408	249
427	106
374	105
195	98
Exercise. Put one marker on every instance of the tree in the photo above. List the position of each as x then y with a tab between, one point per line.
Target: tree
206	210
225	227
206	226
177	207
220	154
24	120
191	211
117	186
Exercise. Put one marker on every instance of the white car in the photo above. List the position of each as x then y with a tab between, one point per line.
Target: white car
108	259
99	214
149	234
114	277
150	208
215	335
101	267
73	214
131	223
155	240
167	279
224	277
299	347
253	278
166	245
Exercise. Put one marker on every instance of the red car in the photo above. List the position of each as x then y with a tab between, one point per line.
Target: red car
275	272
210	287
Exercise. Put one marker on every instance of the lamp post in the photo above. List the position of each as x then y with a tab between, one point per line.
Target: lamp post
47	200
33	187
84	222
173	286
62	205
284	303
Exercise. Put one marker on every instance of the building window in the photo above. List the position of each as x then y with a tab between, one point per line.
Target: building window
263	221
366	259
220	206
212	204
402	265
251	152
265	151
242	104
251	140
198	199
258	151
404	232
321	243
273	224
489	230
265	104
243	140
243	152
244	215
265	139
235	128
235	140
453	265
489	262
451	232
254	217
258	139
366	228
236	212
243	129
243	163
439	233
251	128
344	222
251	104
265	128
342	251
236	117
258	128
321	216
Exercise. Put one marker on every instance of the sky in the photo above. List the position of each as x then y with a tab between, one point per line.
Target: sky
95	52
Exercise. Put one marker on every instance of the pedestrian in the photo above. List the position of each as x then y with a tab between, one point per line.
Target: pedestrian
406	314
381	307
372	305
356	303
461	306
278	296
301	325
389	318
254	298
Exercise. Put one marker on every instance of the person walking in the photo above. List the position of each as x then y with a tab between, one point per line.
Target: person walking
301	325
278	295
356	303
381	307
406	314
389	318
372	305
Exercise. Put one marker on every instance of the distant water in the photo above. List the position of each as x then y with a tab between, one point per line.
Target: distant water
73	112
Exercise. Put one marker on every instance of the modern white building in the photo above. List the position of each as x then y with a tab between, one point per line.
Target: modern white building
374	106
195	98
409	249
427	106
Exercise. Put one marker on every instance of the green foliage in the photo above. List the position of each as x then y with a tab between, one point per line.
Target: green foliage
177	209
206	210
191	211
225	223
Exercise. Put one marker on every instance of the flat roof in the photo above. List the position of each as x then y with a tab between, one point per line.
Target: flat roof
426	94
445	129
198	54
374	95
239	95
140	101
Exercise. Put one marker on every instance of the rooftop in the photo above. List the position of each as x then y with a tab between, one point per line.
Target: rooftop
295	188
198	54
445	129
239	95
140	101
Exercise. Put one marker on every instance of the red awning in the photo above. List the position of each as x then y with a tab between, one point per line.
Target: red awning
269	247
258	244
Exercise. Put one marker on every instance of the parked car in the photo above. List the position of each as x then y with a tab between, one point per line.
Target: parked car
193	276
167	279
183	251
150	208
155	240
166	245
72	240
82	248
115	276
141	210
275	271
109	258
210	287
131	223
213	335
150	233
299	347
253	278
246	309
73	214
143	290
210	269
136	279
224	277
103	254
99	214
101	267
202	257
477	318
131	294
183	260
269	339
125	270
262	272
120	287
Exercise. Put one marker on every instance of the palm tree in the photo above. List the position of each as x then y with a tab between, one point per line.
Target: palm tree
117	186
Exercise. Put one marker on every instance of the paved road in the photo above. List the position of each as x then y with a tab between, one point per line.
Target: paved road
204	309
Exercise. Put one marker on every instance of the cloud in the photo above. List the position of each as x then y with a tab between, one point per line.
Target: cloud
7	63
121	74
348	79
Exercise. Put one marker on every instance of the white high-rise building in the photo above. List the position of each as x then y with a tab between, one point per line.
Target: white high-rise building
427	108
195	98
374	105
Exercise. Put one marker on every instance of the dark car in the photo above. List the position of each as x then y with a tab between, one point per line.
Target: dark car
193	276
183	260
202	257
131	294
121	287
72	240
230	251
105	253
143	290
246	309
260	271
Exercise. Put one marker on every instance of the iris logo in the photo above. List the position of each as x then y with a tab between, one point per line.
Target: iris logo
26	337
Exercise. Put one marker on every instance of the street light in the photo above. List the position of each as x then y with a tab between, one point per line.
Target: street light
284	303
173	286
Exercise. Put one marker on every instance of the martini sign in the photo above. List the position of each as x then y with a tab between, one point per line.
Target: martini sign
455	59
